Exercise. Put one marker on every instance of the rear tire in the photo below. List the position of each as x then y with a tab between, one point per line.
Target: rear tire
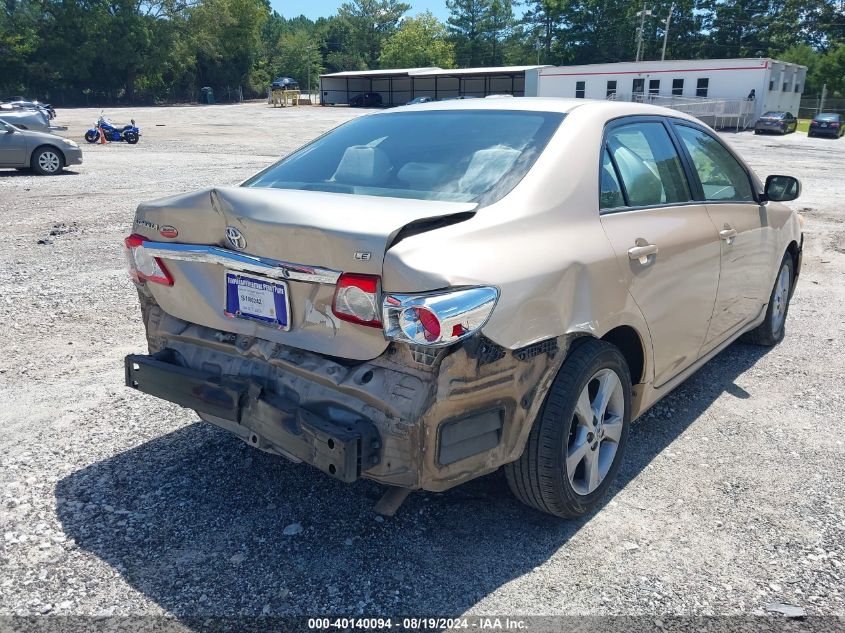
47	161
576	444
130	137
771	331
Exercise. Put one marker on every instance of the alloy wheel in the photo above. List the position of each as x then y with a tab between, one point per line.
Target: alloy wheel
781	296
49	161
595	431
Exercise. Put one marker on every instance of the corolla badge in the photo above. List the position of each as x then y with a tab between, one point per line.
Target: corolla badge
235	238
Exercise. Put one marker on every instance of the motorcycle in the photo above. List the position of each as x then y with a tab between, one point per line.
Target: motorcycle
129	133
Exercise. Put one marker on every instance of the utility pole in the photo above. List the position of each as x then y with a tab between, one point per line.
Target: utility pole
642	15
666	30
308	54
822	98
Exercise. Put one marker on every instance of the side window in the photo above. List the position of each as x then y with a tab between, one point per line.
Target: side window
580	89
611	89
678	87
638	87
654	86
721	175
610	195
648	164
701	86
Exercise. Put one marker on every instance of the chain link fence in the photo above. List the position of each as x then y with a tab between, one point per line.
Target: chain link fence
810	106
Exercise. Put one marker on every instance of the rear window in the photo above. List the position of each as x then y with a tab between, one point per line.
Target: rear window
827	117
773	115
459	155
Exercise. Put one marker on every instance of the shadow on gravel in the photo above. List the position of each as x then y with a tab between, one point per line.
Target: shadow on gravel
9	173
194	521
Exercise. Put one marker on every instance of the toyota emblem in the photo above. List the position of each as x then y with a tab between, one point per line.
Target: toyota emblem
235	238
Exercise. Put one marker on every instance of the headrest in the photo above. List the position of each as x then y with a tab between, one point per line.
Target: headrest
422	176
486	168
362	165
642	184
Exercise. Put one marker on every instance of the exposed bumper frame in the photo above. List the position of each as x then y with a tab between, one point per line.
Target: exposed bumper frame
340	449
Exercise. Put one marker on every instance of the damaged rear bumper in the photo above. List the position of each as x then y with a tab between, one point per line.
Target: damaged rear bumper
268	421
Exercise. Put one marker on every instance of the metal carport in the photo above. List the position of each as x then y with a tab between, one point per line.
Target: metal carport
398	86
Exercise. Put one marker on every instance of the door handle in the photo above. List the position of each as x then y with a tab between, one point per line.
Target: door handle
642	252
728	235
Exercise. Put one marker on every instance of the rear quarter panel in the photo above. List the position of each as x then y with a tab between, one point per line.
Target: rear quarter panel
542	245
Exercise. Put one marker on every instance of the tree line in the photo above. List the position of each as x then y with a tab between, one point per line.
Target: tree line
158	51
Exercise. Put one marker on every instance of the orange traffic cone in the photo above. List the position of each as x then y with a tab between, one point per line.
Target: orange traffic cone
102	136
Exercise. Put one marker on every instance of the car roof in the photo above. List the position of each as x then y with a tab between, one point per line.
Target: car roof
600	109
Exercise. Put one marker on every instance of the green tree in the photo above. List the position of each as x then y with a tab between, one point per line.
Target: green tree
300	58
831	70
370	23
498	26
420	41
337	46
226	36
466	23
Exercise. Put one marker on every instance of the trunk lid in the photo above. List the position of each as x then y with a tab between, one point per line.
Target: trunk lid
337	232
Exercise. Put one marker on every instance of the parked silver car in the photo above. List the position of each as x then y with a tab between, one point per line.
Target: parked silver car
45	154
26	119
424	295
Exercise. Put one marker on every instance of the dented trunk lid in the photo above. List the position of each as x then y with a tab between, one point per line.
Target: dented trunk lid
331	231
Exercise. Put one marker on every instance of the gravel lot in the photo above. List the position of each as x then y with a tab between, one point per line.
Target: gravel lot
731	497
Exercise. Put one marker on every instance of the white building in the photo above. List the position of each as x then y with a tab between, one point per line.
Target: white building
715	90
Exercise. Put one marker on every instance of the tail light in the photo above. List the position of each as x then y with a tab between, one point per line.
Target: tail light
438	318
834	124
356	299
142	266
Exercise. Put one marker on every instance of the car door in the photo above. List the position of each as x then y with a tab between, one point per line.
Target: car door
747	241
12	146
665	243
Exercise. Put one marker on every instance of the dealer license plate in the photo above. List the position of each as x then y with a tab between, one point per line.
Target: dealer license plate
257	299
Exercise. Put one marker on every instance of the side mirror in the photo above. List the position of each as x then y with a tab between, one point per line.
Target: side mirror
782	188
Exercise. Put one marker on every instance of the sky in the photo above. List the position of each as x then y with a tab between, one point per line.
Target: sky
316	8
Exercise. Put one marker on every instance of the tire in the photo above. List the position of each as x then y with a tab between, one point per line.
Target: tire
757	132
771	331
47	161
130	137
543	477
92	136
810	135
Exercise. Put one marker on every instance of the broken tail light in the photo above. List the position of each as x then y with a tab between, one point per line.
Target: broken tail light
356	299
142	266
437	318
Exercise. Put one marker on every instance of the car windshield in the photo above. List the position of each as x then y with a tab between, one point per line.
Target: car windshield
459	155
827	117
773	115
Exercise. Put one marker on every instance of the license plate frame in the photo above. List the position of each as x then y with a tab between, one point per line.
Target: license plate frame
265	310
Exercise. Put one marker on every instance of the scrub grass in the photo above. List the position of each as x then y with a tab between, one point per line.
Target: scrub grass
803	125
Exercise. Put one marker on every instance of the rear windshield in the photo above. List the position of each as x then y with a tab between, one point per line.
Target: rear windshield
773	115
827	117
459	155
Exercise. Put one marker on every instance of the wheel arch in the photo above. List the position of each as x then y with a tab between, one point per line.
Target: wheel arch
795	252
629	343
51	146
